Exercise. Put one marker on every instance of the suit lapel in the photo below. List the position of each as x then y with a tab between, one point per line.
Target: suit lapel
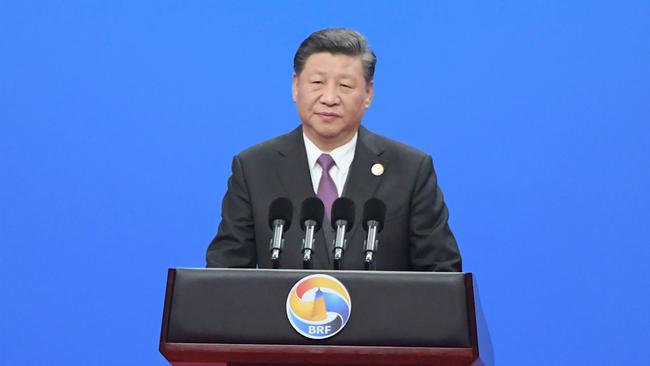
361	184
293	172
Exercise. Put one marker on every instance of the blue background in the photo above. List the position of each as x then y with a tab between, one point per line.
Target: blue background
118	122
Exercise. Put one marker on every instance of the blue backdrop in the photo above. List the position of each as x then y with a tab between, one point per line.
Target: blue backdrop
118	122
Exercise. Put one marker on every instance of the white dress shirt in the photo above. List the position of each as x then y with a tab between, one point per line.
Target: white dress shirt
342	155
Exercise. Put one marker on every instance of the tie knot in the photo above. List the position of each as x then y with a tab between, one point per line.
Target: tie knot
326	162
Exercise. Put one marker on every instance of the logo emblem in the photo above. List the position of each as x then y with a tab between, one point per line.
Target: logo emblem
318	306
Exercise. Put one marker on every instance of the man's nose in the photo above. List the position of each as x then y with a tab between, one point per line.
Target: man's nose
330	95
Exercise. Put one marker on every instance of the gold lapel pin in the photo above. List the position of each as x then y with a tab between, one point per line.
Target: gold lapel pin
377	169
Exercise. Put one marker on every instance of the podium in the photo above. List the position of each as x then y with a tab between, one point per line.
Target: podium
240	317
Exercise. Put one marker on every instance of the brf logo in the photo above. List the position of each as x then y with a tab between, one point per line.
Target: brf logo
318	306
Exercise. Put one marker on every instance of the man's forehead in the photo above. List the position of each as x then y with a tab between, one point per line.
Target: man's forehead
339	64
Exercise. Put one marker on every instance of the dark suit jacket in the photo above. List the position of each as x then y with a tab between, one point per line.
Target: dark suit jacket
416	235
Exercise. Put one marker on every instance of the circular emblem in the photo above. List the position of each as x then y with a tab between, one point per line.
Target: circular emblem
318	306
377	169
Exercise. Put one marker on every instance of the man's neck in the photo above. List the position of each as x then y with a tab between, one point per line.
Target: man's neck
327	146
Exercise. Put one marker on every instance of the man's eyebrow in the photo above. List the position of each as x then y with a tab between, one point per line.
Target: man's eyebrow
341	75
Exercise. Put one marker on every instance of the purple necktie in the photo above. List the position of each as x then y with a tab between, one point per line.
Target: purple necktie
326	188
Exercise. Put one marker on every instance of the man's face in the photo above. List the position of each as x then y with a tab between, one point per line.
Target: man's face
331	95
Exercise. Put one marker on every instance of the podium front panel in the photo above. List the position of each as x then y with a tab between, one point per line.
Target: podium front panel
248	306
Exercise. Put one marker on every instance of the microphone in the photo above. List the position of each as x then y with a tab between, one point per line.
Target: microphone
374	214
280	213
342	222
311	219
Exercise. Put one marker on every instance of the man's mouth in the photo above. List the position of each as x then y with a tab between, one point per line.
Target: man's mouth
328	114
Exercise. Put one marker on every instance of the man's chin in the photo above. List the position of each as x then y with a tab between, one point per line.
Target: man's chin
329	137
328	134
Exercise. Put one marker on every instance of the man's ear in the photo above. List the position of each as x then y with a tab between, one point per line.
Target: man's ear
370	90
294	88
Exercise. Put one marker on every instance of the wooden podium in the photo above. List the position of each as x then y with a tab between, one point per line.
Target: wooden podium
240	317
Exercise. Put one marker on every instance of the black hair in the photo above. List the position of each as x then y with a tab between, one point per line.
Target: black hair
337	41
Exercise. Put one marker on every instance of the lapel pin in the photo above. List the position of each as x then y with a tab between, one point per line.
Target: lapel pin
377	169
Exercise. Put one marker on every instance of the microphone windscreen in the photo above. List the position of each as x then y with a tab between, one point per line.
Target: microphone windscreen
282	209
374	209
343	209
312	209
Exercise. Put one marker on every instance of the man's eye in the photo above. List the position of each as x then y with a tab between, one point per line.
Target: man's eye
346	86
316	82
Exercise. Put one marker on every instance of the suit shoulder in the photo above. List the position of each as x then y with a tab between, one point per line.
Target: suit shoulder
399	148
265	148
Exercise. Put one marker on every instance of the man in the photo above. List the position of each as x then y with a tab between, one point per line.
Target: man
332	155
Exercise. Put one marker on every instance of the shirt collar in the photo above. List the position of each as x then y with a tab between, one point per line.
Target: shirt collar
342	155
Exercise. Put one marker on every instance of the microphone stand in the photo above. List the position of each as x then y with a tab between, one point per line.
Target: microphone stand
308	244
277	242
370	245
339	243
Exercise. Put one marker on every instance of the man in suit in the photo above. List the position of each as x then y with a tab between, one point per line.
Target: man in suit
332	155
